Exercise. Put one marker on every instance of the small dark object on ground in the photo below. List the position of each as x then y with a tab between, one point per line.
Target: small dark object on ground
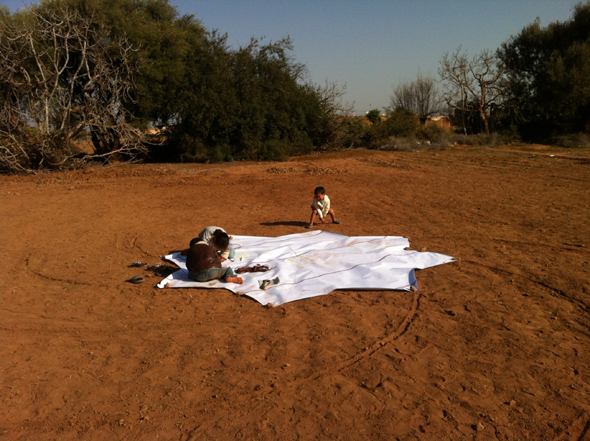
135	279
155	267
137	264
165	271
253	269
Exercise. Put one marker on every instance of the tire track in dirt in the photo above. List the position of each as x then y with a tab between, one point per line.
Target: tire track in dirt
567	434
265	393
553	291
142	349
137	247
369	350
56	279
585	431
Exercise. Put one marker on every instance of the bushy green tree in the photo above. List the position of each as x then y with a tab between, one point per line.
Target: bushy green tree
165	43
247	99
373	115
162	41
216	102
399	123
549	75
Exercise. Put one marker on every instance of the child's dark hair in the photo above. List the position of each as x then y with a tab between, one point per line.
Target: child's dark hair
194	241
221	240
319	190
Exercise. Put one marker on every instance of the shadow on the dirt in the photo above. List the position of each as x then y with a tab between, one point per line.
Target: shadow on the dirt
285	223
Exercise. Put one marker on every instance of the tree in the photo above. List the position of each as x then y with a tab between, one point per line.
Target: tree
373	115
216	102
62	76
548	69
164	44
330	125
251	103
419	97
474	85
399	123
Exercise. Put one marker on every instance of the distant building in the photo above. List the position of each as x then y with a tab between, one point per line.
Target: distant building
440	121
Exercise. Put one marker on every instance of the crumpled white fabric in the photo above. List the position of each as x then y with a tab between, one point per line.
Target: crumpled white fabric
316	263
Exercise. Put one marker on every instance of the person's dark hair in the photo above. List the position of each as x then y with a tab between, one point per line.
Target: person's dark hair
221	240
194	241
319	190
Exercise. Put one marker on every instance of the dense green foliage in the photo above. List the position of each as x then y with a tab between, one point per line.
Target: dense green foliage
373	115
215	102
548	74
162	42
246	103
399	123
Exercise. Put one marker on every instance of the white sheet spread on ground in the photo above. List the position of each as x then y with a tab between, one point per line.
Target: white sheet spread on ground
316	263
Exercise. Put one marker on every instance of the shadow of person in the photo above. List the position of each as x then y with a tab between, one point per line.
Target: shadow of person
284	223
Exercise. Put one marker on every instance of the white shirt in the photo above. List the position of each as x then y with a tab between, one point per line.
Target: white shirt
207	236
322	206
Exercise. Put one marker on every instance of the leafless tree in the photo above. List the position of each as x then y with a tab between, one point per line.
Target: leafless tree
332	95
333	130
419	97
473	85
62	75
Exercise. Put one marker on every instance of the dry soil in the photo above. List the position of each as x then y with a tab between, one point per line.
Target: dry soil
493	346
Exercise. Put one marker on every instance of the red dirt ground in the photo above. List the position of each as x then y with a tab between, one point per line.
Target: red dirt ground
493	347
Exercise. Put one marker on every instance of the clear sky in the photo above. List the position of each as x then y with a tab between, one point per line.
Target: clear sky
371	45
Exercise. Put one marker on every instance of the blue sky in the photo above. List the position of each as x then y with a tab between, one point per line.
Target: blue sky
370	46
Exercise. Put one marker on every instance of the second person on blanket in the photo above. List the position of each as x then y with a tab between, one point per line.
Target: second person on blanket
218	238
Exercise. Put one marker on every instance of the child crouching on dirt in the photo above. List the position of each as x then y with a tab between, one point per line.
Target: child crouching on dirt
321	207
204	264
218	239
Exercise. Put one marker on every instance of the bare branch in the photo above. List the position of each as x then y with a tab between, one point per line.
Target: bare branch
60	81
472	85
419	97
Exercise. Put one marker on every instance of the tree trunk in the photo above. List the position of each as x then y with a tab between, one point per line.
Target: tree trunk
484	118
